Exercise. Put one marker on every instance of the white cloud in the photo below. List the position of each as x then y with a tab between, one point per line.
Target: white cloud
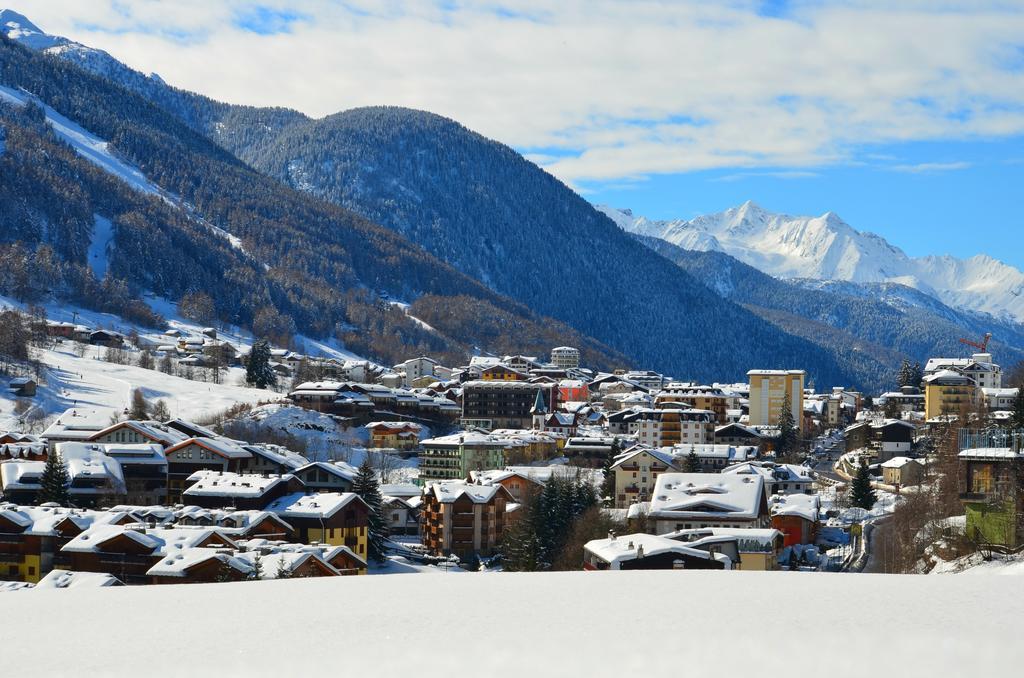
603	90
927	167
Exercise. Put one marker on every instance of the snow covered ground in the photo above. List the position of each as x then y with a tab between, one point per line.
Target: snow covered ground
88	382
557	624
976	564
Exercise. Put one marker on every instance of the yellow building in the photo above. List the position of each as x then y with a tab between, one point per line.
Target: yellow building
948	392
773	390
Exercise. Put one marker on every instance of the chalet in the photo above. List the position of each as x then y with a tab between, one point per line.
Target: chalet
394	434
322	476
31	537
401	515
463	519
197	565
737	434
649	552
636	472
992	492
797	516
138	432
518	483
194	454
778	478
683	501
107	338
902	472
144	468
66	579
22	387
327	518
129	551
267	458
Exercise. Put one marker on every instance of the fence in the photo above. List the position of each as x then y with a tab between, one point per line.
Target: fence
988	438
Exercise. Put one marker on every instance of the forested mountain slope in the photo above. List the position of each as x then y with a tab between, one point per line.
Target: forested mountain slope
269	255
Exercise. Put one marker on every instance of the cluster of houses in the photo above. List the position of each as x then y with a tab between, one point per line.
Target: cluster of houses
692	469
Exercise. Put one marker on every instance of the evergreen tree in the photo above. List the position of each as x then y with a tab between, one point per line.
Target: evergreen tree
258	371
861	493
905	377
916	375
257	567
139	408
54	481
892	409
692	462
368	488
789	435
282	572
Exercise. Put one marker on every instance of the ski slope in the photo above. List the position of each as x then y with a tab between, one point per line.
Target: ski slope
614	624
89	382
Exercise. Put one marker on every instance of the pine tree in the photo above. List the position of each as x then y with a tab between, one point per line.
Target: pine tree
905	377
282	572
139	407
789	436
257	567
54	481
368	489
861	493
692	462
258	371
892	409
916	375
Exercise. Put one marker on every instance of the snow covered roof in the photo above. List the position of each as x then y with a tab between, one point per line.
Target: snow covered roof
731	453
19	474
707	494
224	447
79	423
177	563
806	506
66	579
153	430
337	468
322	505
990	453
447	492
208	483
947	377
466	439
86	461
617	550
899	462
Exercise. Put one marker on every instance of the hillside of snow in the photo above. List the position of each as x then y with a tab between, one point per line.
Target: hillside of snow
526	624
827	248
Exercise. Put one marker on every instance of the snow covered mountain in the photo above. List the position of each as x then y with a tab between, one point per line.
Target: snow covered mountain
827	248
20	29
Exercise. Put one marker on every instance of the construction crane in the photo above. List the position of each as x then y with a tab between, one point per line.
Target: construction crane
982	346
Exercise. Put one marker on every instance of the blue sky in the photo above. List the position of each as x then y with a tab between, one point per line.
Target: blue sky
906	119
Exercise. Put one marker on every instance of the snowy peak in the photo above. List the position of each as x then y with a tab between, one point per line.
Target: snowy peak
828	248
22	31
17	27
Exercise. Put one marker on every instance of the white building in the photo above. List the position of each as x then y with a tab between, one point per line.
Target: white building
565	357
